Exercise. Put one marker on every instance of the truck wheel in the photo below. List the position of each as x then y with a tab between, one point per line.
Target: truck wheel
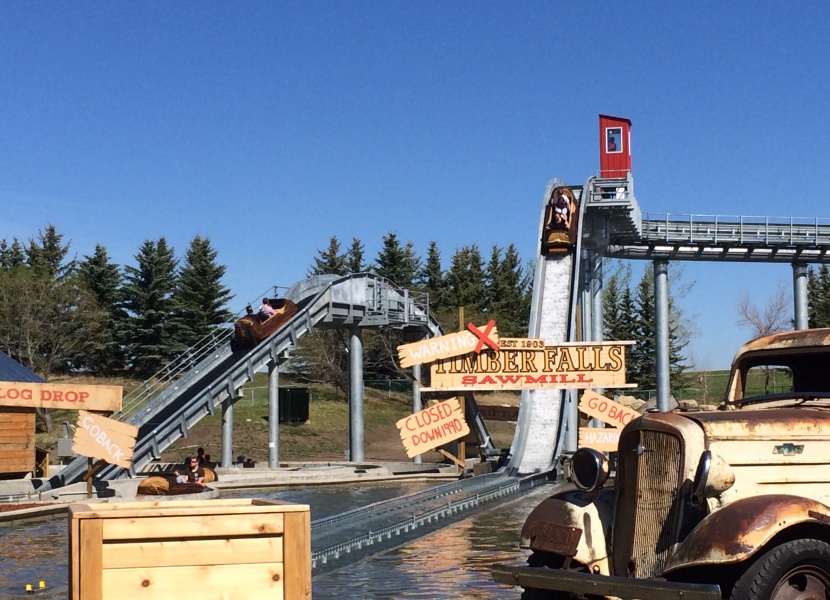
798	570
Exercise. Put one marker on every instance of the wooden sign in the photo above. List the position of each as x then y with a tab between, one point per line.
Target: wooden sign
606	410
533	366
445	346
604	440
110	440
432	427
499	413
104	398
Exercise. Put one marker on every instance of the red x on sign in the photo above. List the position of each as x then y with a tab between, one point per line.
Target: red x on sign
483	338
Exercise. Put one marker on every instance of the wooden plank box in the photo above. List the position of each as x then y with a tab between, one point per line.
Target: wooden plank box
209	549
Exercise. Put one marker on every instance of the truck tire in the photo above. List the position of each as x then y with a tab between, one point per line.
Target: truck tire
797	570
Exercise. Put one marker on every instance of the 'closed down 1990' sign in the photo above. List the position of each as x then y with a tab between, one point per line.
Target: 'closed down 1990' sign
432	427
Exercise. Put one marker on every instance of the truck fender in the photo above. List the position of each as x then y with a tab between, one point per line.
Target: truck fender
738	530
589	513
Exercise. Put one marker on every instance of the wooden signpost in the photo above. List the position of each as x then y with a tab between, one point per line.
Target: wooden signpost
110	440
609	412
530	364
432	427
445	346
104	398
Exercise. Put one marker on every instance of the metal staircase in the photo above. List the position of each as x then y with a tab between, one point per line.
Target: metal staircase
194	385
612	213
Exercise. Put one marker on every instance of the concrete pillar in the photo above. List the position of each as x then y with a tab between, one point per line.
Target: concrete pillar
273	415
227	431
356	395
800	296
661	313
416	398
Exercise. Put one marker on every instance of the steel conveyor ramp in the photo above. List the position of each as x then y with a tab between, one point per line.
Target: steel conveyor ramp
198	382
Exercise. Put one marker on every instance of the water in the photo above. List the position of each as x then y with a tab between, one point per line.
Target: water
452	563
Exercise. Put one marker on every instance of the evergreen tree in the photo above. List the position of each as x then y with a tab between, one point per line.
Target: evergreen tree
400	265
330	261
46	255
433	280
354	257
103	278
508	292
643	367
200	295
152	335
818	297
12	256
465	279
644	352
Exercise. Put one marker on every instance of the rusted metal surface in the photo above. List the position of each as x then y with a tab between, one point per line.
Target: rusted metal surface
658	455
602	585
800	423
547	527
738	530
804	338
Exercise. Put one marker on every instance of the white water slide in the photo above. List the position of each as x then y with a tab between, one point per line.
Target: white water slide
541	426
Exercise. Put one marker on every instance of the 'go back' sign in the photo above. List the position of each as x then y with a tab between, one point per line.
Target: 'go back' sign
110	440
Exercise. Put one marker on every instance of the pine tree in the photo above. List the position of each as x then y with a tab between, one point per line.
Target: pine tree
400	265
200	295
103	278
643	367
818	297
354	257
433	280
152	335
466	279
508	292
643	354
12	256
330	261
46	255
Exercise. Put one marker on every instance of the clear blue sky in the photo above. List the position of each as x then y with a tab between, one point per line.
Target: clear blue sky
271	126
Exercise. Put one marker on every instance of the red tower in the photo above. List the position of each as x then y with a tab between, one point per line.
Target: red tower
614	147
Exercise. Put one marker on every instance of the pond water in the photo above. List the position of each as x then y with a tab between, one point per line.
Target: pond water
452	563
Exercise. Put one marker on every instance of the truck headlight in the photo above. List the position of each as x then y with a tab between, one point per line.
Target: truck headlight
589	469
713	477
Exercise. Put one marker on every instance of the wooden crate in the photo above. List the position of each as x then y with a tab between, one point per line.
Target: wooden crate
17	440
209	549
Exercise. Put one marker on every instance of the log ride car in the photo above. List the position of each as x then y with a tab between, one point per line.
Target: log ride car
250	330
560	225
729	503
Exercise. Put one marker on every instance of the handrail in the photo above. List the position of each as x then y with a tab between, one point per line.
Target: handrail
180	365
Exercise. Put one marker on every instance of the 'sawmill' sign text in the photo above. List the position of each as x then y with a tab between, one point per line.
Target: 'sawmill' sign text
573	365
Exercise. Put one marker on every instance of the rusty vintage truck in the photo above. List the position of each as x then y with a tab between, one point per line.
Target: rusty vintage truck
732	503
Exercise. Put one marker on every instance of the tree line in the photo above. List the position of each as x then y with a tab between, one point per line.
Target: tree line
60	313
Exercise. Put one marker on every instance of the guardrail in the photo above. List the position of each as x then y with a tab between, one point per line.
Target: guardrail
715	229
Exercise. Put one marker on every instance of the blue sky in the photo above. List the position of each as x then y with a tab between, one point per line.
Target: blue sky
271	126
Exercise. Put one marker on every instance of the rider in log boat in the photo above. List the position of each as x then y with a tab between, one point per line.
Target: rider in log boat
254	327
561	214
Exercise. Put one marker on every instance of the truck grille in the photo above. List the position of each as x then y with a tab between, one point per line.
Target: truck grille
647	519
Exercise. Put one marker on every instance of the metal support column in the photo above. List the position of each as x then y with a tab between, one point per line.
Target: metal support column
356	395
227	431
596	298
800	296
661	313
273	415
416	398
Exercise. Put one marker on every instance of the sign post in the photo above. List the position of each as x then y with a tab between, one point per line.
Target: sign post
432	427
